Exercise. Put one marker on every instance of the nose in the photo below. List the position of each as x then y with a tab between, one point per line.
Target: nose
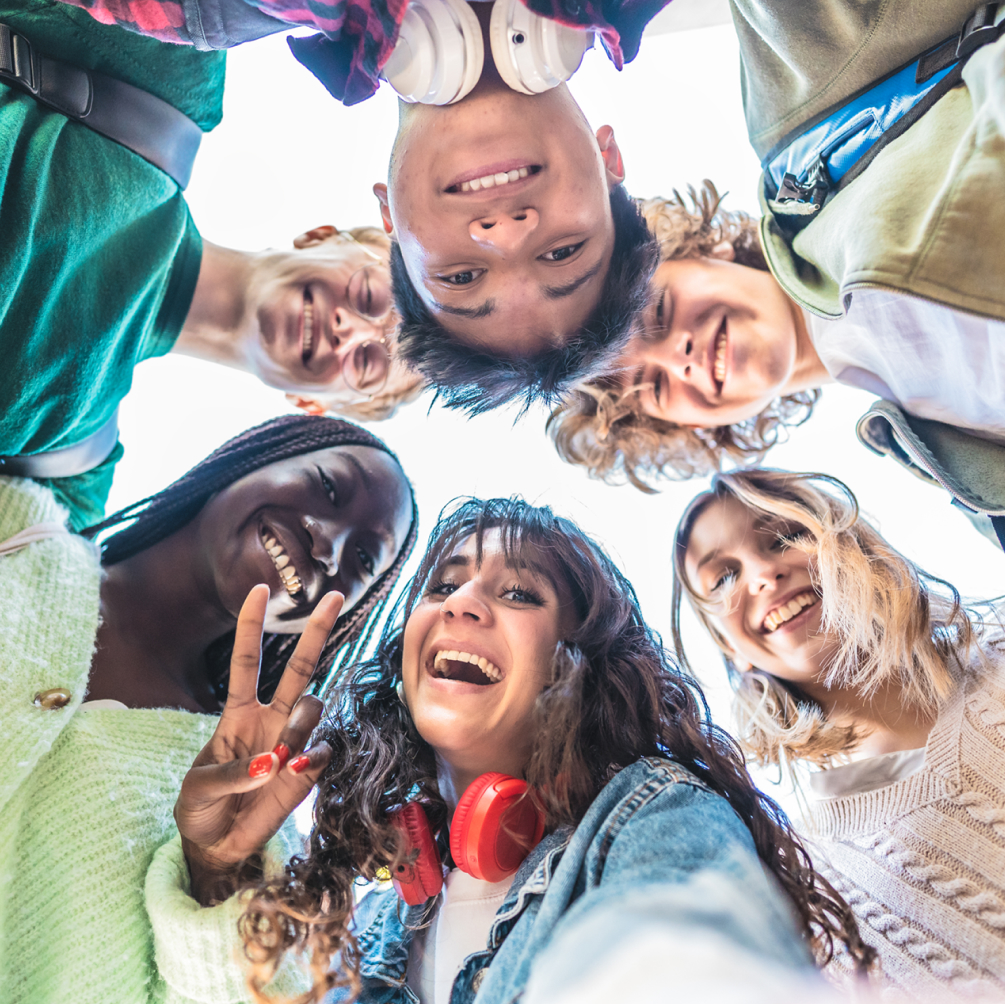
325	545
762	573
465	604
504	231
350	327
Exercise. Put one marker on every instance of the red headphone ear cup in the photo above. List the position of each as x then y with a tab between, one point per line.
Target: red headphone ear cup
421	879
493	829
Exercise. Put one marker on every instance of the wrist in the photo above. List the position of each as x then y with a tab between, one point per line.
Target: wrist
212	881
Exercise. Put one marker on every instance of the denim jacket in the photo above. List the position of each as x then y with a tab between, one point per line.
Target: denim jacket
656	847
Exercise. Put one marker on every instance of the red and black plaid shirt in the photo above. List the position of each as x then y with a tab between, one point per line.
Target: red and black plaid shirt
358	36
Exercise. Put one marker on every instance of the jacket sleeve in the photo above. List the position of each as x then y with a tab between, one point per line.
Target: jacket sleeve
678	882
198	950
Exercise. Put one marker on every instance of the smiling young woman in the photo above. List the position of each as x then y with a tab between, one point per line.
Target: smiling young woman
518	657
160	637
845	655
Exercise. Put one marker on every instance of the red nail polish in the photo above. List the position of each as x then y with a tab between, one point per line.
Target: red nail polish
261	766
283	752
300	763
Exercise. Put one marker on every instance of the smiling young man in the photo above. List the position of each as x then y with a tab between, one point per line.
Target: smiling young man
518	259
95	278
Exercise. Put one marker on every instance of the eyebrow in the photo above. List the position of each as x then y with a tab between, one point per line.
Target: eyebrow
383	534
558	292
542	571
474	312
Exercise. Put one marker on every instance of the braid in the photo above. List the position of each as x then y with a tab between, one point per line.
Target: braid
158	516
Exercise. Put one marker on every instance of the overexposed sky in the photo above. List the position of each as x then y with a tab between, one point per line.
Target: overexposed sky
288	157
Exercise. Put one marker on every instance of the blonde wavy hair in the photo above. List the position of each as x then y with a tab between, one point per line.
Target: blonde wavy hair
385	404
602	427
892	620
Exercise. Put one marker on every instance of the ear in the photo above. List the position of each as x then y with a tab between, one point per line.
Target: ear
380	190
614	166
309	404
724	251
314	237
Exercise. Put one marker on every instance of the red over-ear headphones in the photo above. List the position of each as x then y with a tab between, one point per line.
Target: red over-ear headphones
493	830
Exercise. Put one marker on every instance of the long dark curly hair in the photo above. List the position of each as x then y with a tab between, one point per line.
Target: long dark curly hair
154	518
615	696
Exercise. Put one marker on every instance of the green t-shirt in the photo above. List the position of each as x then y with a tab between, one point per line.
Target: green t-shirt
99	256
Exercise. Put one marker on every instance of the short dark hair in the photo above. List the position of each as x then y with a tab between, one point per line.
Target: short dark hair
478	381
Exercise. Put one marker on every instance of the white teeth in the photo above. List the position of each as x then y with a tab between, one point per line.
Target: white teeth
492	180
308	328
285	567
491	671
784	613
720	357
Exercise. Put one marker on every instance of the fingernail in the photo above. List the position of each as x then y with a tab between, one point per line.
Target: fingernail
283	752
300	763
261	766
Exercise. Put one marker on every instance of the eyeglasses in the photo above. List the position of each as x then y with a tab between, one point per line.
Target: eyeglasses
365	369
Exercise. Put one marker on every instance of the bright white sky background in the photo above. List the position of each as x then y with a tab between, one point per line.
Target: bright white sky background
288	157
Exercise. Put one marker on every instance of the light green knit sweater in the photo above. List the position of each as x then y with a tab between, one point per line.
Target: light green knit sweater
94	905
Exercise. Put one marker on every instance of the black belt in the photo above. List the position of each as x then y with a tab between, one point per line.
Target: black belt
141	122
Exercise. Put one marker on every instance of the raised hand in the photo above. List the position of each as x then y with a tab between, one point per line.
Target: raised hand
253	773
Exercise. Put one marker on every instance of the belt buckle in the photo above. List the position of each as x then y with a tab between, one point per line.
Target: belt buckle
977	30
17	59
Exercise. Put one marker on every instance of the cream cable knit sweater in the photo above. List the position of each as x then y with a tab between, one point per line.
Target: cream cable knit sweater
922	861
89	913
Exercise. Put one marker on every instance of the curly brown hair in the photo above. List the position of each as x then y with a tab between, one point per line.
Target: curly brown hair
601	426
615	696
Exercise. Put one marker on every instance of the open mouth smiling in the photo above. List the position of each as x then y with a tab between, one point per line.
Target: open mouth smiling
307	341
495	179
719	356
465	667
792	608
287	570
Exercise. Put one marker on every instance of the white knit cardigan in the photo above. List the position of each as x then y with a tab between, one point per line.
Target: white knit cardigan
922	861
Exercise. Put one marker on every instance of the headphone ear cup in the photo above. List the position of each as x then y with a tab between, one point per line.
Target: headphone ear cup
534	53
439	54
421	879
493	829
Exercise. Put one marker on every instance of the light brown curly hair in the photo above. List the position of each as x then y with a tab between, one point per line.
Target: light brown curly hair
601	424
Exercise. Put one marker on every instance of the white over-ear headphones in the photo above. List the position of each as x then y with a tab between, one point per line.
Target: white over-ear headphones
439	54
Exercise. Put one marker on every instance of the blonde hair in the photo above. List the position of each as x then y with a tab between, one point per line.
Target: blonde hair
602	427
891	623
383	405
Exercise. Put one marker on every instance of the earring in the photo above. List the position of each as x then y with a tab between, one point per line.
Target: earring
399	689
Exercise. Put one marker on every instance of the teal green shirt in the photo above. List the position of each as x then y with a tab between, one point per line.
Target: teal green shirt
99	256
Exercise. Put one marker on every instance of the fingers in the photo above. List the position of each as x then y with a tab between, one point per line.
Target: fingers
213	782
299	726
247	657
309	766
304	660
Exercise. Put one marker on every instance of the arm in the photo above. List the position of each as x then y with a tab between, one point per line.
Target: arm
680	884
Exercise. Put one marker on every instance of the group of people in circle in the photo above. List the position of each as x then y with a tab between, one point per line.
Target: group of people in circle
518	790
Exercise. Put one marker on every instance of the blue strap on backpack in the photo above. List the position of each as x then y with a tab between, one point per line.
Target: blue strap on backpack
814	162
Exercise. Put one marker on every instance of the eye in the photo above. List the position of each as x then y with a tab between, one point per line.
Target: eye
659	382
725	580
560	254
521	594
464	278
329	486
365	559
440	587
786	536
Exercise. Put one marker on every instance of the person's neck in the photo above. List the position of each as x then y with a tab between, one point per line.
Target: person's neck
808	370
159	612
216	318
885	723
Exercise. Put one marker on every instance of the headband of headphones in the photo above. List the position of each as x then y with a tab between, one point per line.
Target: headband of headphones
492	831
439	55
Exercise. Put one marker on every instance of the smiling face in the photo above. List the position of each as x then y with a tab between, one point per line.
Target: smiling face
320	316
478	650
331	519
501	207
757	591
721	342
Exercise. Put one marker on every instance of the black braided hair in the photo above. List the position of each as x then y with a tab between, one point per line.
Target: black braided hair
160	515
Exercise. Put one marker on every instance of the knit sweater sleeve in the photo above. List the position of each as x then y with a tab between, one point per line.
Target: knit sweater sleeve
198	950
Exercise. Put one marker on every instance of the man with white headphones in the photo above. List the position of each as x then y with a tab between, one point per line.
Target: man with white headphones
520	263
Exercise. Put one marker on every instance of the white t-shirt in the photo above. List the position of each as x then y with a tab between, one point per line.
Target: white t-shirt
868	774
935	362
460	927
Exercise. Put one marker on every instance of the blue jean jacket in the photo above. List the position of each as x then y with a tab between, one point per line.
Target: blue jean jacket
657	846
